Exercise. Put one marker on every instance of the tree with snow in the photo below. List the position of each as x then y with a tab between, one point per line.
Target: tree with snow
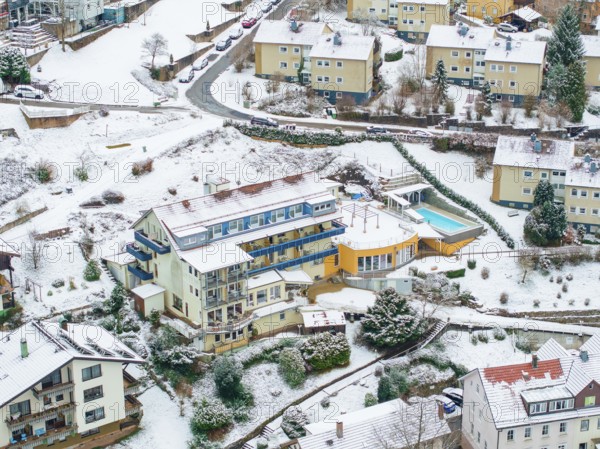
487	97
392	385
544	192
565	45
291	366
547	222
556	83
440	83
153	46
391	321
294	420
92	271
324	351
13	66
210	414
576	96
117	299
227	373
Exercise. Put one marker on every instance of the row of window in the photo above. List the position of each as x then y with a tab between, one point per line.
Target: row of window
583	211
295	50
326	63
584	426
326	79
584	194
412	22
500	68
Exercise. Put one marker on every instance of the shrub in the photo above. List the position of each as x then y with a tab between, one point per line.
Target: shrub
394	55
294	420
536	303
323	351
485	273
571	302
142	167
154	318
44	172
559	279
92	271
471	264
523	344
370	400
503	298
210	414
117	299
325	402
482	337
81	174
499	334
569	277
449	107
113	197
474	340
455	273
172	191
58	283
392	385
565	287
587	301
291	366
227	373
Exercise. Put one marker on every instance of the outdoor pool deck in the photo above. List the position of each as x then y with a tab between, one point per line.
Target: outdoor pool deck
451	226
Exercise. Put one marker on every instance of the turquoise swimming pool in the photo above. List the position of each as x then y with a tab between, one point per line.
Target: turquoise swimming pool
440	221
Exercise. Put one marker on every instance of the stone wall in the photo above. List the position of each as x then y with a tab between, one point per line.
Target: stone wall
167	72
88	38
71	29
207	36
24	219
51	122
132	12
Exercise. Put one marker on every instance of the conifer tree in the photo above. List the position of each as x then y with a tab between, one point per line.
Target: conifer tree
565	46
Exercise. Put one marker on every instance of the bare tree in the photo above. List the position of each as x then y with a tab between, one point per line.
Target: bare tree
277	79
346	103
368	21
35	249
155	45
416	70
505	110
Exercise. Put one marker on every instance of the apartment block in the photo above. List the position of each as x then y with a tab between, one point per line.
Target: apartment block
552	401
7	287
65	385
591	59
415	18
489	8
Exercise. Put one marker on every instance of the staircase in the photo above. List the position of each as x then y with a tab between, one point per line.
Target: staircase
30	35
388	184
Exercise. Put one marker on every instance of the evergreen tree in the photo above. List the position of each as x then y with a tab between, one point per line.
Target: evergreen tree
227	372
13	66
488	98
391	320
92	271
544	192
556	83
565	46
440	82
576	95
117	299
555	217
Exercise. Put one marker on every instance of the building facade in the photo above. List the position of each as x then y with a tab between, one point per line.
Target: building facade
416	18
65	385
591	59
489	8
7	287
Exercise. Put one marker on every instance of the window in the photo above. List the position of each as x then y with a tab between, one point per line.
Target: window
589	401
338	95
513	69
510	435
493	67
51	379
261	296
236	226
596	195
573	192
582	445
467	69
572	210
537	408
544	175
479	63
326	79
528	174
455	53
296	50
319	79
422	8
383	10
585	425
545	430
283	65
326	94
296	211
214	232
282	49
453	68
595	212
296	65
59	397
583	194
561	405
598	424
472	428
527	432
562	446
91	372
189	240
467	54
582	211
277	215
526	190
512	84
90	432
94	415
339	64
20	408
562	428
275	292
93	393
371	9
339	80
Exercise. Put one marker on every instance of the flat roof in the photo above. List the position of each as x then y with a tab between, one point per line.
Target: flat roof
352	47
216	255
148	290
265	278
323	318
514	151
275	308
522	52
295	276
8	249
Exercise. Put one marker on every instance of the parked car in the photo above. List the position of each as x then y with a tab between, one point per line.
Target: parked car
455	394
422	133
264	121
376	130
449	405
24	91
507	27
275	2
202	64
188	78
224	44
520	25
236	33
266	6
249	22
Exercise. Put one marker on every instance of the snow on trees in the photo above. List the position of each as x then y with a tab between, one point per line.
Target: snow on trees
543	192
227	373
210	414
547	222
291	366
294	420
153	46
116	300
440	83
391	321
92	271
565	45
324	351
576	96
13	66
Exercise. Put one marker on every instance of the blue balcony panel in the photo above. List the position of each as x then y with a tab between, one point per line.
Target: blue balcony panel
140	273
295	262
138	253
154	246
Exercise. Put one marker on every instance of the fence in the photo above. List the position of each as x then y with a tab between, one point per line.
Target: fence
53	234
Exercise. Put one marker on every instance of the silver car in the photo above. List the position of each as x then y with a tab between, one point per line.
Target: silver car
507	27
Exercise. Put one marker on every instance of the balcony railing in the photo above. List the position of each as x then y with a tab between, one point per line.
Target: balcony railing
234	295
132	405
232	325
43	416
157	247
213	301
214	282
65	388
295	262
138	253
48	438
140	273
234	274
131	385
338	229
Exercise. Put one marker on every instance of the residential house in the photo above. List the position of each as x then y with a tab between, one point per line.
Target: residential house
524	16
65	385
3	15
514	69
7	293
385	11
463	51
481	9
415	18
281	47
521	163
552	401
17	12
591	59
85	13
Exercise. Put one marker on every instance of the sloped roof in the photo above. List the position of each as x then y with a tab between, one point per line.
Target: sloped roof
518	151
591	45
9	250
551	350
525	12
592	346
447	36
521	52
352	47
280	32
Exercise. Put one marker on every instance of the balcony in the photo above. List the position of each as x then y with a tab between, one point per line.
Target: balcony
234	295
214	301
138	253
50	412
140	273
64	388
338	229
157	247
131	385
231	326
234	274
132	406
213	282
294	262
48	438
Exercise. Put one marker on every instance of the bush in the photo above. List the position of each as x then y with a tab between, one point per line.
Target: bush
394	55
113	197
324	351
81	174
142	167
154	318
482	337
117	299
227	373
44	172
471	264
523	344
291	367
92	271
485	273
503	298
499	334
392	385
210	414
450	108
294	420
587	301
565	287
58	283
474	340
455	273
370	400
172	191
536	303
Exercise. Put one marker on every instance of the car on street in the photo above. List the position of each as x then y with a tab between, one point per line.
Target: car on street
25	91
224	44
249	22
188	78
507	27
376	130
422	133
454	394
202	64
236	33
266	6
275	2
264	121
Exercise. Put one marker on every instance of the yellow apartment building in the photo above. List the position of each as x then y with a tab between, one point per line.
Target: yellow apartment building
592	60
383	10
492	8
415	18
582	196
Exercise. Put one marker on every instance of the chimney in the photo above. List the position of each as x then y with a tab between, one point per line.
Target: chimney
63	323
24	350
337	39
583	355
534	360
525	375
440	410
339	429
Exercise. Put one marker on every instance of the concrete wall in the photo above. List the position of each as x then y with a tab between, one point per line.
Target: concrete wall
402	285
132	12
71	28
51	122
215	31
24	219
592	75
89	38
180	64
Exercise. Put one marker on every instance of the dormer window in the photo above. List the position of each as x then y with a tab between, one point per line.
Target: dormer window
215	232
296	211
236	226
257	220
563	404
189	241
278	215
540	407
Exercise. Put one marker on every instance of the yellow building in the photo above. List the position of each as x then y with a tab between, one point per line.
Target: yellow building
582	195
415	18
592	59
492	8
385	11
514	69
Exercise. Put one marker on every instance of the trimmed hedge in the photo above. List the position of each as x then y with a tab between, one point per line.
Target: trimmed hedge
455	274
335	139
392	56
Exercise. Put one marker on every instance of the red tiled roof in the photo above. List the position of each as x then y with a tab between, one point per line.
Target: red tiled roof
511	373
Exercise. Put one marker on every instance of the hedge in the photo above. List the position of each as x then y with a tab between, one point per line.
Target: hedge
336	139
455	274
392	56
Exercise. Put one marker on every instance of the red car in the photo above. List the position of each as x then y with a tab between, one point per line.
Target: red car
249	23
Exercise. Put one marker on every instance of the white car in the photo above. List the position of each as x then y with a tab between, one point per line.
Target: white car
236	33
507	27
420	132
202	64
24	91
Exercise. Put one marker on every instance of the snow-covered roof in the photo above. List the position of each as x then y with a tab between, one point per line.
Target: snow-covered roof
447	36
50	348
323	318
592	346
120	259
409	189
546	394
276	308
591	45
280	32
7	249
265	278
215	256
519	151
352	47
423	2
295	277
523	52
551	350
525	12
579	173
148	290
